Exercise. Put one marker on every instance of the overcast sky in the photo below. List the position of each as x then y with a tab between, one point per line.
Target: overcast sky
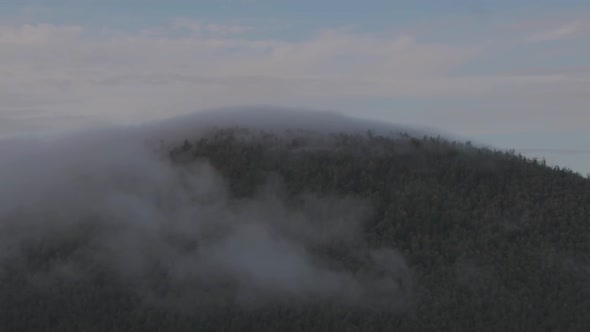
511	73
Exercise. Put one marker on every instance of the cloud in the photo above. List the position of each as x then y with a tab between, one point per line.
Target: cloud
37	34
560	26
87	76
120	75
209	29
224	30
173	233
566	31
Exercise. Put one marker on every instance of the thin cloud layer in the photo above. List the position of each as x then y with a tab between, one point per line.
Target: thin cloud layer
70	70
473	78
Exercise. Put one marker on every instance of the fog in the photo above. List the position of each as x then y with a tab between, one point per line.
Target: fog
106	200
276	120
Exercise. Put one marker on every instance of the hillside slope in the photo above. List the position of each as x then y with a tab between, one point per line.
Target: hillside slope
449	237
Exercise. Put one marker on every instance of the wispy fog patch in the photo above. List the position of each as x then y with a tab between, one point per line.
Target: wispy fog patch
277	120
107	202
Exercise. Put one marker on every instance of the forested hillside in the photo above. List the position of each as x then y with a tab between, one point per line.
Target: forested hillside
472	240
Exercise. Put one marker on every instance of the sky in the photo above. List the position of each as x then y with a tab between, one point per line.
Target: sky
513	74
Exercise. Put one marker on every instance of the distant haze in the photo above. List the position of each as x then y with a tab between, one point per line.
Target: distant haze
509	73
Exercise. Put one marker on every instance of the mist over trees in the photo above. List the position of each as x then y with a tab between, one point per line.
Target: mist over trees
252	230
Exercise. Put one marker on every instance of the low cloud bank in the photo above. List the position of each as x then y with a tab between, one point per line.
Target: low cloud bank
107	201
